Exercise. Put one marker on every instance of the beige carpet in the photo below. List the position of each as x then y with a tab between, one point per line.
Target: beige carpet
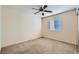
40	46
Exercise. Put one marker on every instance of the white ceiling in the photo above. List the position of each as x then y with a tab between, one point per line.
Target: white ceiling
55	8
59	8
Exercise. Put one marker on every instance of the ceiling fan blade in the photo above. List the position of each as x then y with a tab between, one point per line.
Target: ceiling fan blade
47	11
35	9
45	6
36	12
40	8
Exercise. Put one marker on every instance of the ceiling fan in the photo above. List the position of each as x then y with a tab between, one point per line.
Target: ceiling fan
42	9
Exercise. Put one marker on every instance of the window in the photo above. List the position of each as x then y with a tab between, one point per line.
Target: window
55	24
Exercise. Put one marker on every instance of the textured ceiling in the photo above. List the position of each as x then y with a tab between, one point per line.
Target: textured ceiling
54	8
59	8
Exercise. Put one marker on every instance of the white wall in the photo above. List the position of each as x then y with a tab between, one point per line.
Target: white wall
0	28
68	31
19	24
78	17
78	25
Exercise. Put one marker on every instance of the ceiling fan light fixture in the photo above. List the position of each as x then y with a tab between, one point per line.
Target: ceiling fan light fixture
42	10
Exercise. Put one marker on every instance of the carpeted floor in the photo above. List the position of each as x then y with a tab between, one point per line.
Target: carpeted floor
40	46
